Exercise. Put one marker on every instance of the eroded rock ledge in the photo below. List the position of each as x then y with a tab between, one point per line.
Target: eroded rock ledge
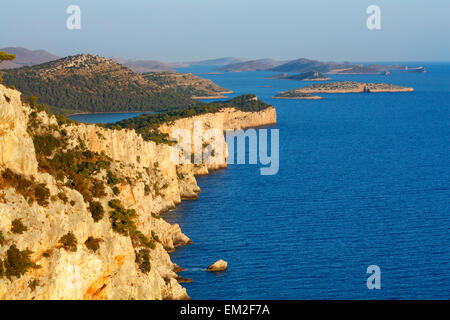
149	184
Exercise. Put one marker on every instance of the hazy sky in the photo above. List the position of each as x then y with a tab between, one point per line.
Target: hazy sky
184	30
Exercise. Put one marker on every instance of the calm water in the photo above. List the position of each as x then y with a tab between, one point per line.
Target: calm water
364	179
104	117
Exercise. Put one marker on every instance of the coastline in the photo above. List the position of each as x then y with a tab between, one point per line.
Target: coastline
299	98
220	96
110	112
150	184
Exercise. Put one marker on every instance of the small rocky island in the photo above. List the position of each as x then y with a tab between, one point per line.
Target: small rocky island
296	95
340	87
305	76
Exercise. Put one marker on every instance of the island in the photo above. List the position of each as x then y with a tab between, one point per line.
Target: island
296	95
340	87
352	87
305	76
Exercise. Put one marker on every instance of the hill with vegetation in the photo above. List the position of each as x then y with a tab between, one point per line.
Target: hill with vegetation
253	65
142	66
189	84
147	124
89	83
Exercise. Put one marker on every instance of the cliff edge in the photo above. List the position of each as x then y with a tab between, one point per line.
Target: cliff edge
81	205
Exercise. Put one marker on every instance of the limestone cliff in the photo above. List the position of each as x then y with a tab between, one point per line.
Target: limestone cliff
148	184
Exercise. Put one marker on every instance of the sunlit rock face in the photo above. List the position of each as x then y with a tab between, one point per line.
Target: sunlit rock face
153	184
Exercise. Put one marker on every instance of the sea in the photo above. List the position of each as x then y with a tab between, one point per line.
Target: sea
363	180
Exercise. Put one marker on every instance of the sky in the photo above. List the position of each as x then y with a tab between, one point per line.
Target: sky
189	30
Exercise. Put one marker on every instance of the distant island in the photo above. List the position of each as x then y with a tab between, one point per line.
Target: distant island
305	76
252	65
308	65
340	87
26	57
142	66
296	95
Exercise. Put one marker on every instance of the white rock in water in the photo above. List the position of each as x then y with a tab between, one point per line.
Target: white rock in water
220	265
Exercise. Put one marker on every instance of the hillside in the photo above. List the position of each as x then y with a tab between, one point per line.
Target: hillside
26	57
189	84
307	65
305	76
253	65
142	66
217	62
89	83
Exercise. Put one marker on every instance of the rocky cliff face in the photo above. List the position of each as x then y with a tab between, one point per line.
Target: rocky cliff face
150	184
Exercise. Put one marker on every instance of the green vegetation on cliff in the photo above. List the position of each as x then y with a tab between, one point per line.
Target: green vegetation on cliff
147	124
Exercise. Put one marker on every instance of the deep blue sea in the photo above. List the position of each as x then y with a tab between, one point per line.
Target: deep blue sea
364	179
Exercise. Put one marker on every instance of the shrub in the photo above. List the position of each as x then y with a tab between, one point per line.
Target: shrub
98	189
143	260
69	242
64	120
28	188
47	253
32	100
79	167
18	262
46	144
93	244
155	236
18	227
156	216
122	219
63	197
113	180
116	190
2	239
97	210
146	189
139	238
2	269
42	193
33	284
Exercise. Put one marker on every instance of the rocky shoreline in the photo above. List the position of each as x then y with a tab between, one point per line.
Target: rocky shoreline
149	185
